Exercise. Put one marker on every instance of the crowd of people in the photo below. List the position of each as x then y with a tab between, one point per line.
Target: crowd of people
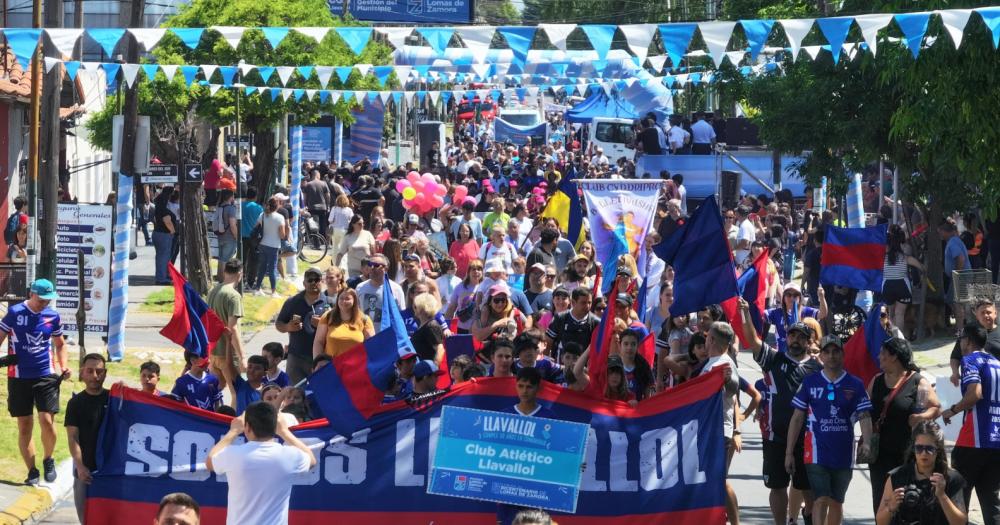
492	266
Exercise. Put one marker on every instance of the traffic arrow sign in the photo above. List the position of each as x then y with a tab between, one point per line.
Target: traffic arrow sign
192	173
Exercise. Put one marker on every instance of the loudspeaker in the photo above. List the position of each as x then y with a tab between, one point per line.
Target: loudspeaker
429	132
742	132
731	182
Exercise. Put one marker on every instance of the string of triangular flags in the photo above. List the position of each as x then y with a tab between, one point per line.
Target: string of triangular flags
130	74
675	38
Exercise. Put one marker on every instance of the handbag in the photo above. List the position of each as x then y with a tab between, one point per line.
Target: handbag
872	454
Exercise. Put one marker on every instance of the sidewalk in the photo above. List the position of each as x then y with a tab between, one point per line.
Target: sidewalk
20	504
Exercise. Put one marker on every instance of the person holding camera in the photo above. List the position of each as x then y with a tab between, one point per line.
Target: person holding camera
924	490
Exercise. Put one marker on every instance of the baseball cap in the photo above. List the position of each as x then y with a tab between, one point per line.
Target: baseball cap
413	219
560	290
313	270
499	288
615	361
792	287
624	298
831	340
44	289
624	269
537	266
800	327
426	368
580	257
281	196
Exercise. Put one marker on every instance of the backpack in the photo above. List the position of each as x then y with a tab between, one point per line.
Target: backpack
219	223
10	229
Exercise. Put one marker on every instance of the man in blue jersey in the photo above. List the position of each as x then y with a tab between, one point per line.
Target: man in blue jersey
783	374
977	450
197	387
526	356
833	400
33	380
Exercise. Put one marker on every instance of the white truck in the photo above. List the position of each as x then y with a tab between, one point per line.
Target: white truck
613	135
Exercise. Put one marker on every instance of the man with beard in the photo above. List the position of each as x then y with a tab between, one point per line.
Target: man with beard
783	373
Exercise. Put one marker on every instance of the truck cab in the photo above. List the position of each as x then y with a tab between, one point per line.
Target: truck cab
614	135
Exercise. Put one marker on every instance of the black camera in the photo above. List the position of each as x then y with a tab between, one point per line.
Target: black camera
912	496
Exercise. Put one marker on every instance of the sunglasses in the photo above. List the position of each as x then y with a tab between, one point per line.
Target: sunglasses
550	276
376	265
313	280
925	449
499	300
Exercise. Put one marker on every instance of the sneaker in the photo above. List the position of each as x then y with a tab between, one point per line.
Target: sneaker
49	465
34	477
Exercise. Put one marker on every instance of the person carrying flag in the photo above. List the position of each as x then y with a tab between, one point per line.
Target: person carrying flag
783	374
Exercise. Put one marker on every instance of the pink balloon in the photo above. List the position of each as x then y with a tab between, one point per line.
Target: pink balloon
437	201
407	204
402	185
419	186
412	176
427	178
460	193
430	188
440	191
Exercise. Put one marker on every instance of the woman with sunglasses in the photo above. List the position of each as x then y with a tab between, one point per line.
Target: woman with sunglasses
924	490
901	399
499	317
793	311
357	244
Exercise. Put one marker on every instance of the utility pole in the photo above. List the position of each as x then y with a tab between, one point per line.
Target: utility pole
36	98
130	15
49	148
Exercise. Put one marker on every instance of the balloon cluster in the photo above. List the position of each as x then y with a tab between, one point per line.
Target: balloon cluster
421	193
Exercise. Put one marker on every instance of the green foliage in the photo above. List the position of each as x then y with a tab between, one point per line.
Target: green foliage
594	11
168	102
497	12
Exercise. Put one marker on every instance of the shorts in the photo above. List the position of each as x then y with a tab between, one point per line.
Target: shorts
227	250
896	291
42	393
211	197
775	475
829	482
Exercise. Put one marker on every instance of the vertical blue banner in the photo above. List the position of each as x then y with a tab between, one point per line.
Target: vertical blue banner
295	192
338	147
119	269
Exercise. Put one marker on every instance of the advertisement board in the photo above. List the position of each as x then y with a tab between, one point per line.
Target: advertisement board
411	11
86	228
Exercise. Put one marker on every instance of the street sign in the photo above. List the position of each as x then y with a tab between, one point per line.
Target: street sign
192	173
161	174
231	141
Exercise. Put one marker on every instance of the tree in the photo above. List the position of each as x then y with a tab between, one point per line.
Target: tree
170	104
497	12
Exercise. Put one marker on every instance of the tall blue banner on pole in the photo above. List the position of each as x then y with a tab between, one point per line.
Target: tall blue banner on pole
662	462
295	191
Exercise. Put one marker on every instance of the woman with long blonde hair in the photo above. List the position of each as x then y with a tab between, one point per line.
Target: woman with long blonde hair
343	326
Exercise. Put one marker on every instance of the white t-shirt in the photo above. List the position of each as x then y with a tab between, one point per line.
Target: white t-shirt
505	253
702	132
748	233
370	296
340	218
260	476
729	390
677	137
271	224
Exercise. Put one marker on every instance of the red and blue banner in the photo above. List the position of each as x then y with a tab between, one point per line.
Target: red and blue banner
854	257
659	463
752	285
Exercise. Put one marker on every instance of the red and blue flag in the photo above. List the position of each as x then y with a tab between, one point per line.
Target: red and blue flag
861	350
854	257
194	325
752	285
704	273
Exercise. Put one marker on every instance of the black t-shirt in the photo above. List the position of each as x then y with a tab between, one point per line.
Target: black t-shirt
301	343
992	345
159	212
426	340
894	432
393	203
928	511
669	225
86	412
565	328
367	199
650	141
784	376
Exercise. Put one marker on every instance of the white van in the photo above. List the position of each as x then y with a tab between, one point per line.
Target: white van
614	135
